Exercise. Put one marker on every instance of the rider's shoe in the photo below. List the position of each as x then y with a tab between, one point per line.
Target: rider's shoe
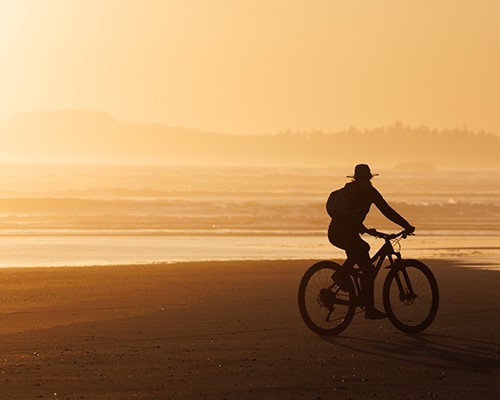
373	313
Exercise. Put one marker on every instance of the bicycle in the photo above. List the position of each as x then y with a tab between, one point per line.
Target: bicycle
329	293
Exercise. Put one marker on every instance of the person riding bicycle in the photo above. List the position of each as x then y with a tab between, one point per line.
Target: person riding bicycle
344	230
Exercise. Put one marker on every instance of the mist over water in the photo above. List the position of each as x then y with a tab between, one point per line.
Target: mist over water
82	215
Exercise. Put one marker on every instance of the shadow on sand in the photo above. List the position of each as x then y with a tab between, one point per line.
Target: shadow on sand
428	349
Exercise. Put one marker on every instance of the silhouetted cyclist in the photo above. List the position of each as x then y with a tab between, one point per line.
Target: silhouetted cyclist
345	229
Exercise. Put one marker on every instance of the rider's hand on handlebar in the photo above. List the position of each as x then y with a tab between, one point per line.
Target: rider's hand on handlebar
372	232
409	229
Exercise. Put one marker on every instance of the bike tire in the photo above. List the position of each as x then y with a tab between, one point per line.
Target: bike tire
407	312
315	313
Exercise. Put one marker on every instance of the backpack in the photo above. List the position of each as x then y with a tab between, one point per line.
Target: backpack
339	204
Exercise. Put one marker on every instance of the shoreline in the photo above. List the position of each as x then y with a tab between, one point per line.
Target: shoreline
232	330
123	250
452	261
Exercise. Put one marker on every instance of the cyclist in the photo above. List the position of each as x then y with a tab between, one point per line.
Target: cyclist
344	231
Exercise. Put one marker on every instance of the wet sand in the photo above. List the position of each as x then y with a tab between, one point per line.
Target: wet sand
231	330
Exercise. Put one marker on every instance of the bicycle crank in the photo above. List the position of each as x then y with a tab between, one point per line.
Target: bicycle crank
327	299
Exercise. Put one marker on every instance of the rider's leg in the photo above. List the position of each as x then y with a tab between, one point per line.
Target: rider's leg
339	237
357	251
366	280
341	277
347	238
360	251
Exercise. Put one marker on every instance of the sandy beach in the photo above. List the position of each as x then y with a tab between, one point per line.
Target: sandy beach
231	330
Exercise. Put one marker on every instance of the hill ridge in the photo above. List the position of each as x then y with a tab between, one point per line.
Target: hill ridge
86	136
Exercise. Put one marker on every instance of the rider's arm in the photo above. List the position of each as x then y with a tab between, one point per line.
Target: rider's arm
389	212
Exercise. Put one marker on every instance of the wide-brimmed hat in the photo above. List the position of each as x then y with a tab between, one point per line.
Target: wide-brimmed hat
361	172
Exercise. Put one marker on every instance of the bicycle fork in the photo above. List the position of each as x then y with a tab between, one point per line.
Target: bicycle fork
406	292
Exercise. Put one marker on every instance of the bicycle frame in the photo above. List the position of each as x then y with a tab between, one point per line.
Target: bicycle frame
385	252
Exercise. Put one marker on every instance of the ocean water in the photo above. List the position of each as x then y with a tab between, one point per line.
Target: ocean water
53	251
58	215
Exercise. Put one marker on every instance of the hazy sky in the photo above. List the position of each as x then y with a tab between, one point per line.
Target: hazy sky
256	66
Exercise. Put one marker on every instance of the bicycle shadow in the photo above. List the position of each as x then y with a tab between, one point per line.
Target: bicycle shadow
428	350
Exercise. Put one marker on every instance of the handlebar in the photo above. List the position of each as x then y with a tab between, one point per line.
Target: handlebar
390	236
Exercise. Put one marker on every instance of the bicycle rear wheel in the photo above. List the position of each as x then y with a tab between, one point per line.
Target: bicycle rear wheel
327	307
411	296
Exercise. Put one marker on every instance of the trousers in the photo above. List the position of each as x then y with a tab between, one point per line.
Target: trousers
357	251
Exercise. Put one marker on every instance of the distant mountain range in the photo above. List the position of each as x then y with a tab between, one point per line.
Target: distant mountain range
80	136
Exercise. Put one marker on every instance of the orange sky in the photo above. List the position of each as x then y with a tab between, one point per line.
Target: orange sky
256	66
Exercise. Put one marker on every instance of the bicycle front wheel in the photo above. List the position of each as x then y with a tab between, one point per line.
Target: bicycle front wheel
327	307
411	296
